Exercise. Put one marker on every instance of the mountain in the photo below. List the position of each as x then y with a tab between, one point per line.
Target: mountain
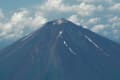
61	50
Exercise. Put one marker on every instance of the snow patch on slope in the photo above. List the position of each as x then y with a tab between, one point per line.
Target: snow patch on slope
65	43
69	48
59	21
91	41
60	33
26	37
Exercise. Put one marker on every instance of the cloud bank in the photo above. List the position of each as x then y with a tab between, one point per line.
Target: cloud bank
100	16
20	23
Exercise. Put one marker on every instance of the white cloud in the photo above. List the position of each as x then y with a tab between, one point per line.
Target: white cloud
89	1
54	5
116	7
37	21
1	14
93	20
114	22
19	16
89	13
74	19
98	28
83	9
108	30
19	22
114	19
96	1
51	4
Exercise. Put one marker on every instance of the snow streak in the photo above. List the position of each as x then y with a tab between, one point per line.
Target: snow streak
59	21
27	37
60	33
65	43
91	41
69	48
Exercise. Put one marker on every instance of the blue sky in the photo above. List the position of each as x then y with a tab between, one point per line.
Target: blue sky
18	18
15	4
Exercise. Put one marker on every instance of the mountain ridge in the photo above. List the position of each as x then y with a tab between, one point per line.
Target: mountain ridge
61	50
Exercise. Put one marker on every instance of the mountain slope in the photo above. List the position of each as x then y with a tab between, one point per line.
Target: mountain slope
61	50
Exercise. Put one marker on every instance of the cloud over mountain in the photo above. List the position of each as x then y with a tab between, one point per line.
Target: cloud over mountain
99	16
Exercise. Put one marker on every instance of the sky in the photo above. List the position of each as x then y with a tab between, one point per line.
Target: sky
21	17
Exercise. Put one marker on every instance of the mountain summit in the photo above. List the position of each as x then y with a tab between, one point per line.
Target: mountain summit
61	50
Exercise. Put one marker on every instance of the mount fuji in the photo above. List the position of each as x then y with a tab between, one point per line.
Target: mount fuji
61	50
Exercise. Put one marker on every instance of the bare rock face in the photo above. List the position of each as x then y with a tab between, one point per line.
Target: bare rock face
61	50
